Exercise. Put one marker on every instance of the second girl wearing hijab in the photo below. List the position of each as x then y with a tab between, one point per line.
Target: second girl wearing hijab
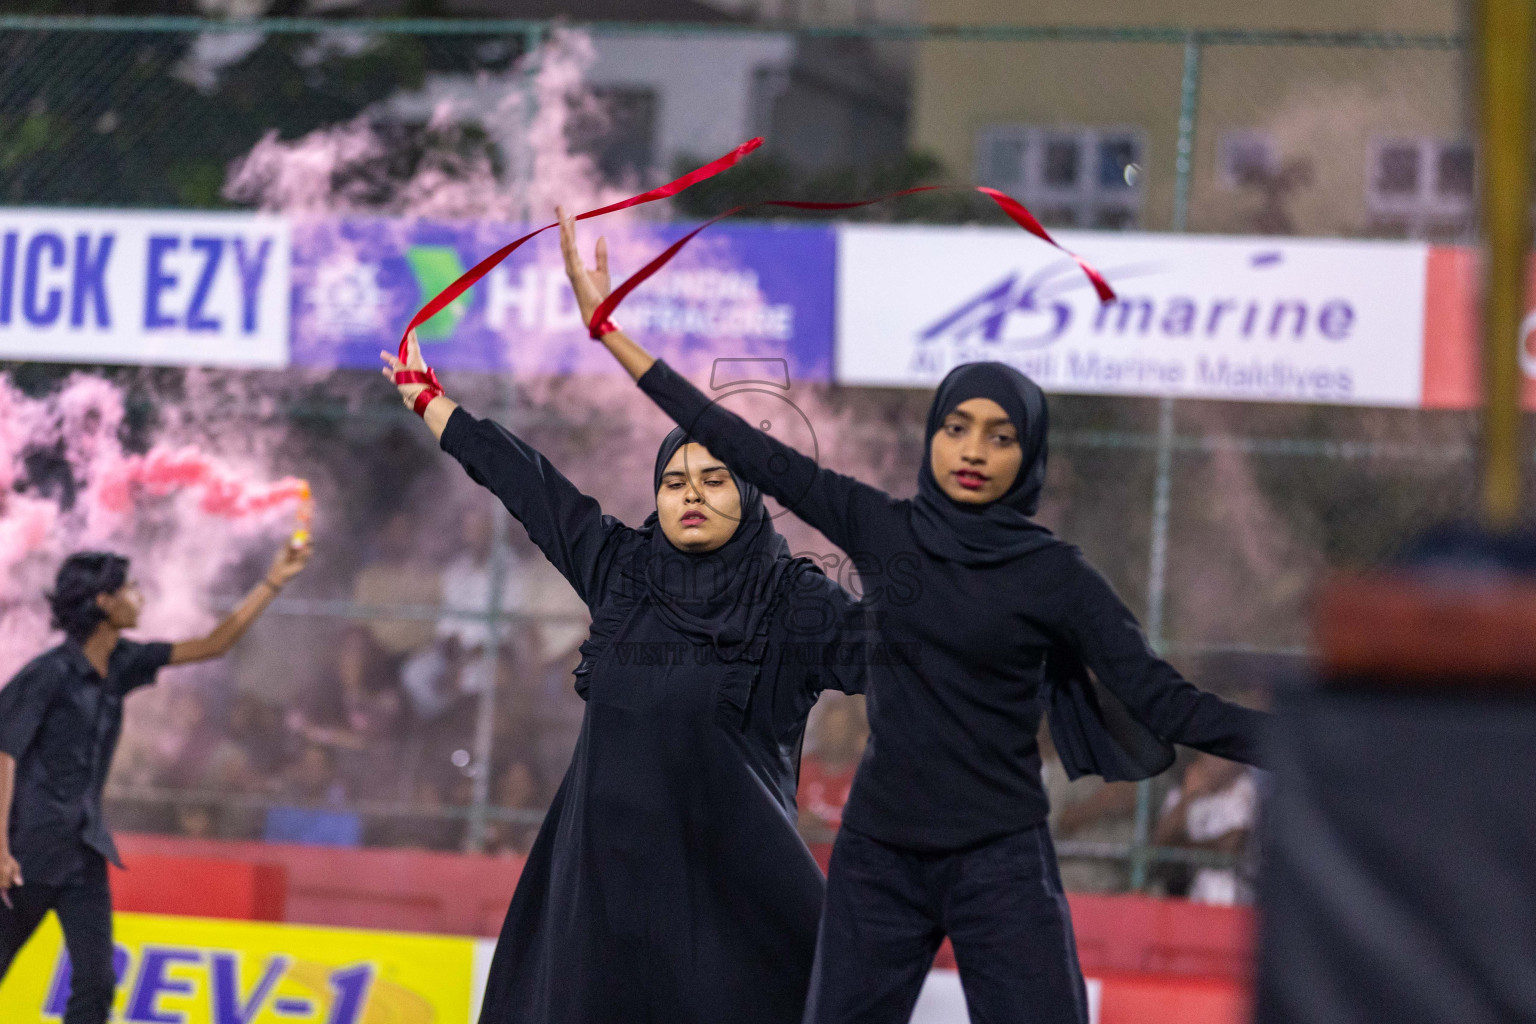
945	830
668	882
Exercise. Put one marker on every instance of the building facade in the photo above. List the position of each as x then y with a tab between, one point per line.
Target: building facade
1352	139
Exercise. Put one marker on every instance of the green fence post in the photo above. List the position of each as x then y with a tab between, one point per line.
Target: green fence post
1189	101
1157	559
501	554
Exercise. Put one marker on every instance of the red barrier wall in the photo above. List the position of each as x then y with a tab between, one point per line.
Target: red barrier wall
1163	937
1162	999
410	890
201	887
1159	961
399	890
1138	933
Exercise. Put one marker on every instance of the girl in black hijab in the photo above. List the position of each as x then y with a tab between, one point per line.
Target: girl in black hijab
668	882
944	832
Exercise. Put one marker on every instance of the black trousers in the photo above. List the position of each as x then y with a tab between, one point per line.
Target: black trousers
84	906
1001	904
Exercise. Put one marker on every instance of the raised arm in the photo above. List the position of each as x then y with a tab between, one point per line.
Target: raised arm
286	564
833	503
1107	637
567	525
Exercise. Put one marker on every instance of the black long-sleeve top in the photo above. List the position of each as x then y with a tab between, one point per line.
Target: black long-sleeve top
952	758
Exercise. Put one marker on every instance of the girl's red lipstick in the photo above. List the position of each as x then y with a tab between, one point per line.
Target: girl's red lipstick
970	479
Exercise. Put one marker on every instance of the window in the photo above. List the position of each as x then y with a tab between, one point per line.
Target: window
1072	177
1245	157
1453	172
1006	161
1061	163
1421	188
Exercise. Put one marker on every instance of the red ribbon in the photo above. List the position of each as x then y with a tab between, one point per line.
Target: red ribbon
1014	209
424	399
427	377
425	395
485	266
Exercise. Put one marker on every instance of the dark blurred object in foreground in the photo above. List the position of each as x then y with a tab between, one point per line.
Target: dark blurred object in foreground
1398	882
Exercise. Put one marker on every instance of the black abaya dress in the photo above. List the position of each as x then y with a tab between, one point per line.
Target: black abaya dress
668	883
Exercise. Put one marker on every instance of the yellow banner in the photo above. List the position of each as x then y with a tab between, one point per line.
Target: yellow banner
188	970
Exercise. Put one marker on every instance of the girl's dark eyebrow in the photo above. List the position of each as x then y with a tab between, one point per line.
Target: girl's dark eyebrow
716	467
988	423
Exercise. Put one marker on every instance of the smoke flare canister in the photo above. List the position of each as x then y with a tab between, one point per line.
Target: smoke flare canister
305	515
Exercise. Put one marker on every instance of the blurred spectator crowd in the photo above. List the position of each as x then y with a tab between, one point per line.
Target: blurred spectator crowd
379	744
428	703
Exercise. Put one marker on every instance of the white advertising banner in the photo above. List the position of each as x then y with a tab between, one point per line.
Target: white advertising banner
1257	319
110	286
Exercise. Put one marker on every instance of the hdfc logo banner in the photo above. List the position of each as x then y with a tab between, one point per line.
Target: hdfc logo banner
744	290
204	289
1252	319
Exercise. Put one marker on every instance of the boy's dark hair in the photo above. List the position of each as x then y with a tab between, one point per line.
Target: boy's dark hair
82	576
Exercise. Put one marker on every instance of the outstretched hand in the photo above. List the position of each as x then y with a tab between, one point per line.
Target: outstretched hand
591	284
437	408
288	563
413	361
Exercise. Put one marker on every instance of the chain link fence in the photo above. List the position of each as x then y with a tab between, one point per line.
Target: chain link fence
373	705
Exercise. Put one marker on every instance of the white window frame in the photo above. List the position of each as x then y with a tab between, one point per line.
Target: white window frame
1425	207
1086	198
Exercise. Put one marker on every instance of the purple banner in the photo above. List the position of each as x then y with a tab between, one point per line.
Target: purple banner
742	290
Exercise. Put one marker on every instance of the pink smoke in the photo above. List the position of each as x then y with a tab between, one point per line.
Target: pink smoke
524	112
184	512
165	471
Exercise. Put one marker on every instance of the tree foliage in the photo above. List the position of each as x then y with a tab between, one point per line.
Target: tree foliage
155	118
765	176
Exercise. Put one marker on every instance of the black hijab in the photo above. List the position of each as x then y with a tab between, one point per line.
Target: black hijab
999	530
719	597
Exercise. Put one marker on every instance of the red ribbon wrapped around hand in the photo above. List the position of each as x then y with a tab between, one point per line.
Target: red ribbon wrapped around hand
424	397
